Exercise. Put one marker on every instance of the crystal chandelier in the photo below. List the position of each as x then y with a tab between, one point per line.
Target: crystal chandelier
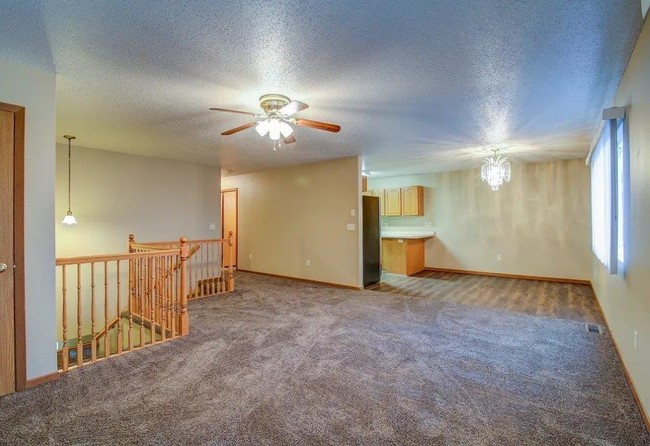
495	170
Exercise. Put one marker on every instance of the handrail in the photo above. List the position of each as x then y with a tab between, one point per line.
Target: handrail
207	273
146	291
113	257
174	242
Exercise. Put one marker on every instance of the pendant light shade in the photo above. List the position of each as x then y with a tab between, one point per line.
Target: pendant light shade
262	127
69	218
274	127
285	129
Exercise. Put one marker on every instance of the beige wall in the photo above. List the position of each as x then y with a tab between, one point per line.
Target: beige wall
538	223
35	90
291	215
626	300
115	194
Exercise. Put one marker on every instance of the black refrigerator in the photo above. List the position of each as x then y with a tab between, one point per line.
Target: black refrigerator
371	241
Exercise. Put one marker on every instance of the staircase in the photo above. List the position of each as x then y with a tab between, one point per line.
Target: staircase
119	303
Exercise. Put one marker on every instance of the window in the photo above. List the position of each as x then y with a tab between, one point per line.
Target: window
622	191
610	192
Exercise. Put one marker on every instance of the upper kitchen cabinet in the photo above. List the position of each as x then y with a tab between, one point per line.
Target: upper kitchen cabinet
412	201
393	202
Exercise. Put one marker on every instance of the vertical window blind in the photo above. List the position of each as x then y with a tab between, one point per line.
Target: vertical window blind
601	198
610	195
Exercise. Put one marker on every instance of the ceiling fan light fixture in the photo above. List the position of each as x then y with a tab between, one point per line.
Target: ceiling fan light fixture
262	127
274	129
285	129
278	119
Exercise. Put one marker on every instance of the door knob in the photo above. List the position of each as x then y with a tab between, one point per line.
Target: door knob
3	267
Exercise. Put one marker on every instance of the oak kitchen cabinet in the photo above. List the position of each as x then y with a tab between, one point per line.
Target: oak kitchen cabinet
402	201
412	200
393	202
402	255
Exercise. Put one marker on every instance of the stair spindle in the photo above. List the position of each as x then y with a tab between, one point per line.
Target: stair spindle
120	341
107	340
64	321
93	347
80	343
141	300
152	310
130	308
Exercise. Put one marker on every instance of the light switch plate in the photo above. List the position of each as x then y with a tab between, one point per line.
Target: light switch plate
353	212
351	227
213	227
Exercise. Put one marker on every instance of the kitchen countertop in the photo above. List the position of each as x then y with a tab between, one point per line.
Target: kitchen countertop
407	234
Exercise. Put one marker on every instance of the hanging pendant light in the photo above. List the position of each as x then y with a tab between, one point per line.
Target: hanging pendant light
69	218
495	170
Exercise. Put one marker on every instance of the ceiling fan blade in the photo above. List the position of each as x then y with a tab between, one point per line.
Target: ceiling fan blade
318	125
289	139
292	108
239	129
233	111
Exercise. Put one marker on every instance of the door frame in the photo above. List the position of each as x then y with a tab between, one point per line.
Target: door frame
20	353
223	235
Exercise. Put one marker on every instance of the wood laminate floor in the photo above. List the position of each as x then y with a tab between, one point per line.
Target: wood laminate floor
534	297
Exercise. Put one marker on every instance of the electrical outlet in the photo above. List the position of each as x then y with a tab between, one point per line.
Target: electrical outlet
250	256
351	227
213	227
308	262
636	340
499	257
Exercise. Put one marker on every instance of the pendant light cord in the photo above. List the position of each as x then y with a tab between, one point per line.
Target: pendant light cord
69	138
69	175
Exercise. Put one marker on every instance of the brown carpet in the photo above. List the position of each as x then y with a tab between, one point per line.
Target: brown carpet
284	362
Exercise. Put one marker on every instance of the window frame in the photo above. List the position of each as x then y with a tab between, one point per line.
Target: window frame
608	141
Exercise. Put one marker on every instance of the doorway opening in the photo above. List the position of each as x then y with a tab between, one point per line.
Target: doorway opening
230	220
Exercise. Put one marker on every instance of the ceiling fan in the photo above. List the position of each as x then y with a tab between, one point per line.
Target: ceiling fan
279	114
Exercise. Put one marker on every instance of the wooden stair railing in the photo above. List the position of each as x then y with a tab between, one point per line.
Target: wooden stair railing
207	275
98	295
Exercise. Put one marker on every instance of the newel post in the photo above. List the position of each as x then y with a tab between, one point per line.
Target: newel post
132	278
184	321
231	261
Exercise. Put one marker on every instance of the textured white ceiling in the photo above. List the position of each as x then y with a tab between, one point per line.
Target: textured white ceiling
416	85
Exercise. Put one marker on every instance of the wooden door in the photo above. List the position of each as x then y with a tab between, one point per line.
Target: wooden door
412	200
229	217
393	202
7	328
